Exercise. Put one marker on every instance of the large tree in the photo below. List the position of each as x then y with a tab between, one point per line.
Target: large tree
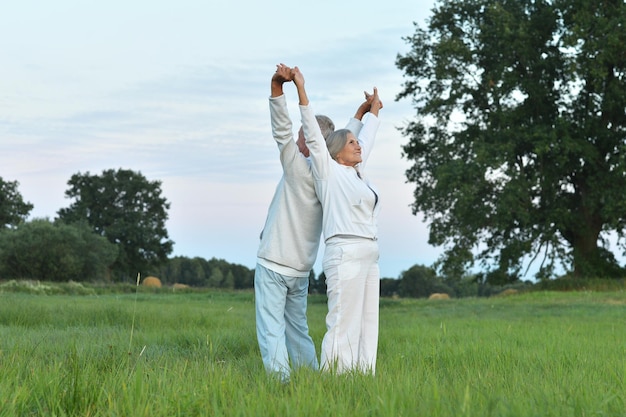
518	145
13	208
127	209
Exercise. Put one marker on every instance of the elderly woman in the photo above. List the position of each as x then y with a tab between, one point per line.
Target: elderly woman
350	209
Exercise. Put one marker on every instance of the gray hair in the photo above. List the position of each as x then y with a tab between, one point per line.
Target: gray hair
336	141
326	125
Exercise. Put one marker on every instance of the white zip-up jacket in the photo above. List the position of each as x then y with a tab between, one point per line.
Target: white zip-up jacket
291	235
349	203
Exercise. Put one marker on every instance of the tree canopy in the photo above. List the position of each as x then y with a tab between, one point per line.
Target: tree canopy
518	145
13	208
127	209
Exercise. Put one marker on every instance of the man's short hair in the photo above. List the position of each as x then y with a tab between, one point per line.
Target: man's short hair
326	125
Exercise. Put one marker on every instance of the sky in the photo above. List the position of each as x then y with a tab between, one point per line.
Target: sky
178	90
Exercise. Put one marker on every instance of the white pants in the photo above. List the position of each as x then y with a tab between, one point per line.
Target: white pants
353	288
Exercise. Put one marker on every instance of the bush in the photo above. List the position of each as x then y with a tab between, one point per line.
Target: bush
580	284
42	250
420	281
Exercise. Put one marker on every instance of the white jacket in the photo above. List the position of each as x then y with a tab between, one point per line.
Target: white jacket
350	204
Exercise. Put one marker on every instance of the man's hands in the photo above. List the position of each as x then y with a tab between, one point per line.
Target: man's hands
282	75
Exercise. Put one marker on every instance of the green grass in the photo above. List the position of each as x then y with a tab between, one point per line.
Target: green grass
195	354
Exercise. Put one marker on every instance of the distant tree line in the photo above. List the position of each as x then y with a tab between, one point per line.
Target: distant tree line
420	281
199	272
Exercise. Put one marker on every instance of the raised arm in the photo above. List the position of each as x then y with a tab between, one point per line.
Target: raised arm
320	158
367	134
355	124
364	107
281	123
298	80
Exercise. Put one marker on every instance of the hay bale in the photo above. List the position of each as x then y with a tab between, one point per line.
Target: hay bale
178	286
439	296
151	282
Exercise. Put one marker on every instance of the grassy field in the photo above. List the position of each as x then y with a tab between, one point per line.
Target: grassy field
195	354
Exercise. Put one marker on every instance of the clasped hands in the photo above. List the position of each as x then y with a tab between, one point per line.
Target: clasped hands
285	74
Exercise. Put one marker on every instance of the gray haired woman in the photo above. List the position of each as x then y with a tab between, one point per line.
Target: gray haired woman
350	206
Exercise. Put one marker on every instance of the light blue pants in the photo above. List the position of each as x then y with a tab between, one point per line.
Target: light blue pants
281	321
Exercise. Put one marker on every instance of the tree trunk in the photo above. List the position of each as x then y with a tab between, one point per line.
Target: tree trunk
585	252
589	259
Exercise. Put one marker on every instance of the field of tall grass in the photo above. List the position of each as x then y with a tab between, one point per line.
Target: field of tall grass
162	353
